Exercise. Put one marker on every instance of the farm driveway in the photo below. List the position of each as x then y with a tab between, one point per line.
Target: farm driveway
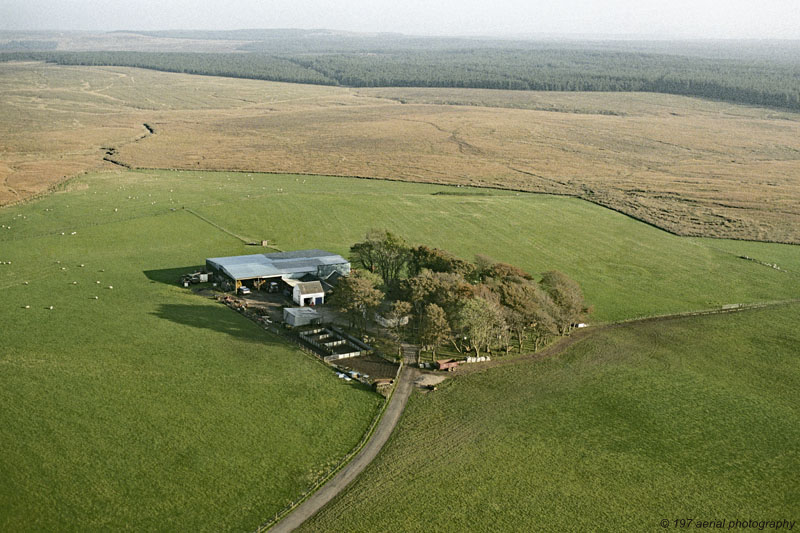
329	490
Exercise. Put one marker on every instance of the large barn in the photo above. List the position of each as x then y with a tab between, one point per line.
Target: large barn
259	271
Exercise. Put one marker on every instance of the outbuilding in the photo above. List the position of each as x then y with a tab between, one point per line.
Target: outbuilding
308	293
301	316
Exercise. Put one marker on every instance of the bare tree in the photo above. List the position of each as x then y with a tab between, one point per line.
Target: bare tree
399	312
480	321
434	329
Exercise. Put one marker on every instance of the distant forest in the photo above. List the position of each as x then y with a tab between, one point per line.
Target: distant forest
388	60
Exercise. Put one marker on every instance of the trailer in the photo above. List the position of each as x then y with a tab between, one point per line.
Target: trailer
193	278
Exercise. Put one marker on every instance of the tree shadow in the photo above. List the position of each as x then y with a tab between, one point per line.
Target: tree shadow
216	318
171	276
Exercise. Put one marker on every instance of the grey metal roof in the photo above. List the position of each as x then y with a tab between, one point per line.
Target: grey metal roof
275	264
299	254
301	311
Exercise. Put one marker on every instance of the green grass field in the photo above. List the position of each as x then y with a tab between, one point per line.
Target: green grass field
152	408
149	408
627	269
690	418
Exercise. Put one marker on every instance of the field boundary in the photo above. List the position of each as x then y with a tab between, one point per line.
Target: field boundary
576	336
730	308
365	439
577	195
208	221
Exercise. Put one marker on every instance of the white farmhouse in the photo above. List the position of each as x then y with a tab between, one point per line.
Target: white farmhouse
308	293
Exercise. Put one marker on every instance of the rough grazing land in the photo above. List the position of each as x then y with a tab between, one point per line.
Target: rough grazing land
630	426
691	166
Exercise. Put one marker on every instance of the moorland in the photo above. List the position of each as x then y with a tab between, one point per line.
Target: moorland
691	166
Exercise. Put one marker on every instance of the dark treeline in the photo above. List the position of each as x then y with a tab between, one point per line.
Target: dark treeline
753	82
260	67
24	45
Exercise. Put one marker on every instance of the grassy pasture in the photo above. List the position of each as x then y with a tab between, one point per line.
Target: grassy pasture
626	268
686	418
148	408
152	408
689	165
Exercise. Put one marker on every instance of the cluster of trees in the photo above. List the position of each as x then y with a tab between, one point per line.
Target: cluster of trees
477	306
404	63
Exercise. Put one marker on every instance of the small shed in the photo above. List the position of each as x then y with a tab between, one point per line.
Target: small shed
308	293
300	316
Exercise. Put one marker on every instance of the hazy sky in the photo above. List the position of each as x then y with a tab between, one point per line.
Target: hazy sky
658	18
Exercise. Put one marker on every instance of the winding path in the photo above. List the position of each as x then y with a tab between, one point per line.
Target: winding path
346	475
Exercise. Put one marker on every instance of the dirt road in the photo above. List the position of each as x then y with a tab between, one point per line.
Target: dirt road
391	416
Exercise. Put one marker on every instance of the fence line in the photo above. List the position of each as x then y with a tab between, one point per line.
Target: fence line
730	308
352	453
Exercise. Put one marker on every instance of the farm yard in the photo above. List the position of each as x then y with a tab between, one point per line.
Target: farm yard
628	426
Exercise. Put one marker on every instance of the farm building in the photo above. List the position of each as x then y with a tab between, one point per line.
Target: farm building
259	270
300	316
308	293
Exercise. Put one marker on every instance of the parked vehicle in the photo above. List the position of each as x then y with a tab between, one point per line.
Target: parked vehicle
194	277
